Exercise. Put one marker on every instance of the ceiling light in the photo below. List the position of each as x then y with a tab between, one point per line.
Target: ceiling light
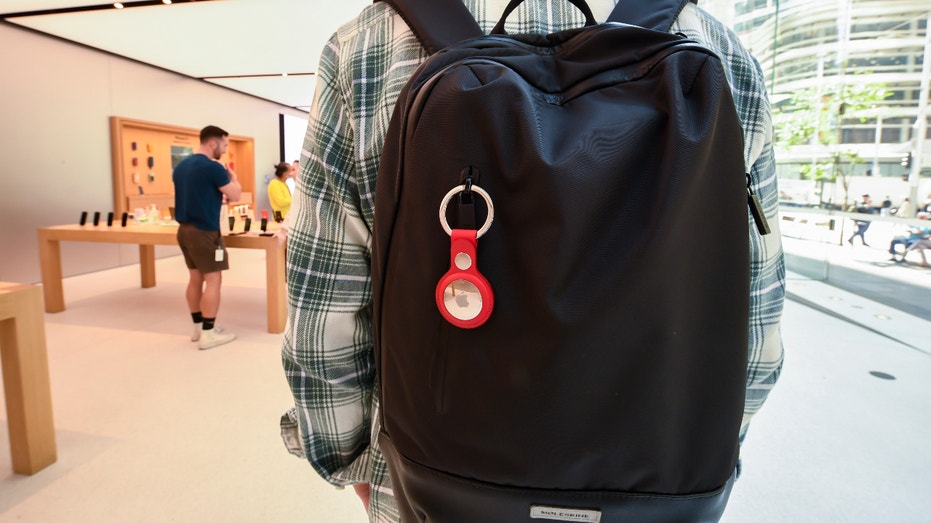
284	74
118	5
166	2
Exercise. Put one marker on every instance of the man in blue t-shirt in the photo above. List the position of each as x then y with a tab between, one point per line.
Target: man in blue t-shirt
201	183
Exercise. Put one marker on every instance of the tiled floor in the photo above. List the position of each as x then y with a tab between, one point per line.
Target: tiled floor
151	429
835	443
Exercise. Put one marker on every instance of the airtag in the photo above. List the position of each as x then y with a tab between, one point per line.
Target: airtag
464	296
463	300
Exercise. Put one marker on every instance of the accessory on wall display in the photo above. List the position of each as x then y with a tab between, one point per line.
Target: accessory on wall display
151	162
141	190
123	219
135	162
278	217
248	225
148	147
151	177
599	340
110	219
83	218
96	219
134	146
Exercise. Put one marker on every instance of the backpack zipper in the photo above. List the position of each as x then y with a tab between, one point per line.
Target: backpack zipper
756	209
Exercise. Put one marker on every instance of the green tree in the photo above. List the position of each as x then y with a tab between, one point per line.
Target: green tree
814	116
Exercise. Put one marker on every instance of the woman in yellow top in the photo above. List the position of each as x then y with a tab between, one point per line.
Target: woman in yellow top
279	194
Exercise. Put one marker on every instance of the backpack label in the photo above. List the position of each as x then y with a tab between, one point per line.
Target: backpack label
565	514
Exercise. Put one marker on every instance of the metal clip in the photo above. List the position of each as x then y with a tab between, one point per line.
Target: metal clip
756	209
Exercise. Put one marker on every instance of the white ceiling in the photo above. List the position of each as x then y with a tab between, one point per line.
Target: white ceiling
245	45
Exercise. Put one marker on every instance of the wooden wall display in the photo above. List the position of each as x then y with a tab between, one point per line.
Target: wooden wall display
143	154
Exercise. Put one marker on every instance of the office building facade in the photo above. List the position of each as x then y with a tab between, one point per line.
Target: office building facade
810	46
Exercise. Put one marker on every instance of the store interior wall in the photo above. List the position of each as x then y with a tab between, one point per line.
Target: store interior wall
56	98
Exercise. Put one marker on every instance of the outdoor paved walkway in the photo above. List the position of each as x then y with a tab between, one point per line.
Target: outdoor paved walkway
814	251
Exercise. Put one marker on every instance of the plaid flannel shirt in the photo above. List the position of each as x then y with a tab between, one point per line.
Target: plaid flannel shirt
327	353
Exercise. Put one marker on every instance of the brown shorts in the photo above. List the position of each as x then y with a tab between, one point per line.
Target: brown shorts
200	249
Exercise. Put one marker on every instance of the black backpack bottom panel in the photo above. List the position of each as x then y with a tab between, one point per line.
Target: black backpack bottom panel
425	495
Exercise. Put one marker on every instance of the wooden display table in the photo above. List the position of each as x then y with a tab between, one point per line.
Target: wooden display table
147	237
25	378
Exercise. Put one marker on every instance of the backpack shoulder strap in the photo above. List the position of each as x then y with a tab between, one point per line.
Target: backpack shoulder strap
437	23
652	14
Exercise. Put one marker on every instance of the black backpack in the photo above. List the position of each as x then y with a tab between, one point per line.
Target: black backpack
561	273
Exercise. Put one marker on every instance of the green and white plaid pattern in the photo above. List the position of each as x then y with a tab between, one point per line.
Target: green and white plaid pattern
328	347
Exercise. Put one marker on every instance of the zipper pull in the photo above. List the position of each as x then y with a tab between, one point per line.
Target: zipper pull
756	209
466	211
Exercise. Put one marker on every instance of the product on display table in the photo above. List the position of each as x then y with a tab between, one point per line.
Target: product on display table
265	225
245	229
147	236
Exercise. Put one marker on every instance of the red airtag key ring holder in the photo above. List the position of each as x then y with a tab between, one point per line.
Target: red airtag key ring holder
463	296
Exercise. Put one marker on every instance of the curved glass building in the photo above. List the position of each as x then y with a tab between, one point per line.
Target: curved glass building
811	44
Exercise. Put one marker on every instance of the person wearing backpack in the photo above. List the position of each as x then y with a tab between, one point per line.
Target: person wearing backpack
329	353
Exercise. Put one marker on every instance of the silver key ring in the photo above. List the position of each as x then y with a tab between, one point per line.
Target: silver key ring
456	190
